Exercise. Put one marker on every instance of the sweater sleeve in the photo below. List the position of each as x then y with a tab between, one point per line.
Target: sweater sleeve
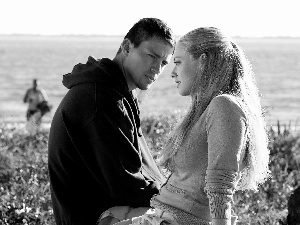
226	128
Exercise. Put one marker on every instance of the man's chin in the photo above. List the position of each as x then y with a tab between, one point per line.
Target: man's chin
146	87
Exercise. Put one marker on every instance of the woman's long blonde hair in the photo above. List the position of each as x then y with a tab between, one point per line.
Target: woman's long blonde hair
226	71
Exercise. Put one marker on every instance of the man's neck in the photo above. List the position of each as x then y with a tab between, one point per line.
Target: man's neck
119	61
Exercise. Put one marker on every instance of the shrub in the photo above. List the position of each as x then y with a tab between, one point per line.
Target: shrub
156	128
24	190
269	204
24	184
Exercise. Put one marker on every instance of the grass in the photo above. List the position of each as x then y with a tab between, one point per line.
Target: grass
24	184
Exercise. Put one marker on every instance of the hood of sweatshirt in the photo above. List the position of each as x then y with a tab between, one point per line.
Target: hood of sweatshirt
104	71
96	71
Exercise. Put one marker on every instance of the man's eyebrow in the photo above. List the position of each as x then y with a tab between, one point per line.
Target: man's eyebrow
158	56
155	54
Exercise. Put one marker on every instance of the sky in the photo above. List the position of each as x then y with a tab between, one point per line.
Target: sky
245	18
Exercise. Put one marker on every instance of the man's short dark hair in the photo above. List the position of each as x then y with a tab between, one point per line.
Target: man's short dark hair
147	28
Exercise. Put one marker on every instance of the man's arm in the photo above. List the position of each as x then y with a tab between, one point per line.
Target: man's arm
113	160
25	99
149	165
123	172
44	95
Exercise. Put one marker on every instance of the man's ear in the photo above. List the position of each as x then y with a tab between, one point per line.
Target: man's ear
125	46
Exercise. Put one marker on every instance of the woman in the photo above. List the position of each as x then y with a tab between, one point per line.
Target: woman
221	143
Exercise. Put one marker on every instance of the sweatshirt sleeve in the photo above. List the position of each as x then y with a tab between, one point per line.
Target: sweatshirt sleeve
110	153
226	128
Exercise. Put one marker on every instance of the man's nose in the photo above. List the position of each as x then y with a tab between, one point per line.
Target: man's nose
156	68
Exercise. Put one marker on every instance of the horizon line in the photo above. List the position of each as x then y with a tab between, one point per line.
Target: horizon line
121	35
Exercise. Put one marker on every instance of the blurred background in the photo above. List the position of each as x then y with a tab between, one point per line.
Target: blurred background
45	39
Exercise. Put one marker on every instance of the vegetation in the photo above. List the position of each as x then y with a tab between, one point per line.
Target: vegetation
24	184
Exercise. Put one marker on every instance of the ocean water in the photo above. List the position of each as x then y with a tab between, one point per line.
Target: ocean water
275	61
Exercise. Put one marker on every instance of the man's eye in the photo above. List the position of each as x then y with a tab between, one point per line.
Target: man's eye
164	63
152	56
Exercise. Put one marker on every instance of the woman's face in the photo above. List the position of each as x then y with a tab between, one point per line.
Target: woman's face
185	69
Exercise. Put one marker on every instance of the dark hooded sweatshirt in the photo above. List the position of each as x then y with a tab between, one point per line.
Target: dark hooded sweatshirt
97	154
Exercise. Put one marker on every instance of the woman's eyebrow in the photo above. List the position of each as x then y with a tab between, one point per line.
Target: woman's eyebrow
176	58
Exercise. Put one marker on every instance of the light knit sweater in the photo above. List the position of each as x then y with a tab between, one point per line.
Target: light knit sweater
207	166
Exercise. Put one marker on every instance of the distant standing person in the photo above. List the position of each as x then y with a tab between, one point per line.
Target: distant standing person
97	154
34	97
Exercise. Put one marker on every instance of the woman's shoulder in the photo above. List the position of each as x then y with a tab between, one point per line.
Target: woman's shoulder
225	100
226	103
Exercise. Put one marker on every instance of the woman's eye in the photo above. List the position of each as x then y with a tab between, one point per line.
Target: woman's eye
176	63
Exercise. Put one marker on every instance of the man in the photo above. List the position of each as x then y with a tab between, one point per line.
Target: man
293	217
34	96
98	157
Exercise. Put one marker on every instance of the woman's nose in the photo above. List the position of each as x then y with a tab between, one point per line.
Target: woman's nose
173	73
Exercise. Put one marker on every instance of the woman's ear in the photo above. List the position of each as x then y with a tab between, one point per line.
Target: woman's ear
201	61
125	46
203	57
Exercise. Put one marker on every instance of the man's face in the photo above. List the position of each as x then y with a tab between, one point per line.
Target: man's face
35	84
146	62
